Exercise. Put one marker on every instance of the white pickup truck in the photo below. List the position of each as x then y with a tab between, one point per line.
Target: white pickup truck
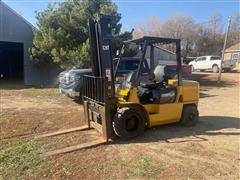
212	63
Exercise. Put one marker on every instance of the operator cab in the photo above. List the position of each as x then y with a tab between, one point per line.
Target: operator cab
153	87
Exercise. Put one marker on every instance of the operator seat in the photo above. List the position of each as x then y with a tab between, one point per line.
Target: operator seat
157	90
159	78
159	73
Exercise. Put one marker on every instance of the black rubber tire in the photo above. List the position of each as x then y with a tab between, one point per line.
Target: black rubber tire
215	68
124	118
189	115
78	99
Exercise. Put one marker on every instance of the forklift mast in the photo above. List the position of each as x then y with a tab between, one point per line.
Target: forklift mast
98	90
100	33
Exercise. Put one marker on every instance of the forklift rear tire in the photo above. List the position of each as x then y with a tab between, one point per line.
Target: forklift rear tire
128	122
189	115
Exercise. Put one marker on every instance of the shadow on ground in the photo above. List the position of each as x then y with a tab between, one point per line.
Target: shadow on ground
210	80
175	133
234	71
205	95
13	84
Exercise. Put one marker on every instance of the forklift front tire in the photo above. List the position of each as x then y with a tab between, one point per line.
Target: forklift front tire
128	122
189	115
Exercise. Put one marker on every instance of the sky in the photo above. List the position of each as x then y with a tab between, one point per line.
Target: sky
135	11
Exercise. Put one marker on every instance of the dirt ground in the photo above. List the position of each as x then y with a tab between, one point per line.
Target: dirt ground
210	150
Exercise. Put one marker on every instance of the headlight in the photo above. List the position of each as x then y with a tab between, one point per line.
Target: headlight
66	78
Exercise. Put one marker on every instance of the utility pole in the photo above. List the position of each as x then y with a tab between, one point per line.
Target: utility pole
224	47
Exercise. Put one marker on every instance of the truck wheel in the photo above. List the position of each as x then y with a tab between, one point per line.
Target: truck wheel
189	115
128	122
78	99
215	68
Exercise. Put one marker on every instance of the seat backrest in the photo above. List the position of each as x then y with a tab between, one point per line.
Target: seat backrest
159	73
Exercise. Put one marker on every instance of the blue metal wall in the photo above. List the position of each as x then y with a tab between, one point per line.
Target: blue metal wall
14	28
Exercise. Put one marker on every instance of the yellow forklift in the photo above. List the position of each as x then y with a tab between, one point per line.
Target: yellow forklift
143	99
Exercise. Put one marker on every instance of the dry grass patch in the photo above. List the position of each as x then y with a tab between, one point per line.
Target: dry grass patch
20	159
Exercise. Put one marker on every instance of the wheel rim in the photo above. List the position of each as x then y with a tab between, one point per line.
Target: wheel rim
132	123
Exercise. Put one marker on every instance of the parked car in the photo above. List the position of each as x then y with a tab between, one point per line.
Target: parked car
212	63
70	81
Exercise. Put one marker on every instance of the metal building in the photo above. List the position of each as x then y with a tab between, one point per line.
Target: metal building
16	37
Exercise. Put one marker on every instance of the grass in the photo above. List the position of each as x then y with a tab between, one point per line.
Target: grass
140	167
145	168
19	159
66	169
36	91
22	160
41	92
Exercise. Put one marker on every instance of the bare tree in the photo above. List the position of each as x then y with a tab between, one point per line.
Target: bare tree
210	37
197	39
234	32
184	28
181	26
149	27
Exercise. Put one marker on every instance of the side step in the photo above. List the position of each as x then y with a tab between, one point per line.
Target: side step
76	147
81	128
